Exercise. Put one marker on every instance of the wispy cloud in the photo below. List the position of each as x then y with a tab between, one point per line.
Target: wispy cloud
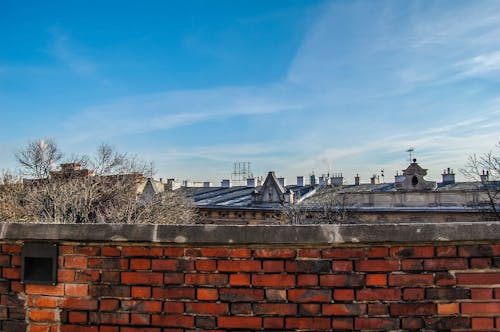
72	55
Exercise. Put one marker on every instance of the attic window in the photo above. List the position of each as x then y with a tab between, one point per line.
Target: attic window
414	181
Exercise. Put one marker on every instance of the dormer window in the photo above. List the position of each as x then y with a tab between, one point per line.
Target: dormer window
414	181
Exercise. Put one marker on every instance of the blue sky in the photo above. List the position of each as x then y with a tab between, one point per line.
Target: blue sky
291	86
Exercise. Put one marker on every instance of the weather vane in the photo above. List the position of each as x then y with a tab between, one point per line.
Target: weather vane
410	150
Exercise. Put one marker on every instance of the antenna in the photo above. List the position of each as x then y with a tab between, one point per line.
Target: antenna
241	171
410	150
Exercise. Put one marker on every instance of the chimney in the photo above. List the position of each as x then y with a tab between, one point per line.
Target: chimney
374	179
226	183
250	182
322	181
357	180
337	179
313	179
282	181
185	183
171	184
207	184
448	176
300	181
485	177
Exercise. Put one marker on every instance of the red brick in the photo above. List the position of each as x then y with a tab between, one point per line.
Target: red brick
376	265
310	323
378	309
349	309
478	278
108	263
448	308
413	294
346	253
411	280
206	265
343	294
241	294
66	250
446	251
376	323
57	290
445	279
482	323
480	263
207	308
309	266
412	264
77	317
276	295
46	301
343	323
413	309
239	279
412	323
141	306
307	280
482	309
416	252
109	305
79	290
481	294
174	293
140	264
241	309
87	251
145	278
308	253
377	294
207	294
111	252
174	252
274	322
377	252
309	309
141	251
270	266
309	295
215	279
44	327
179	265
79	304
273	280
140	319
274	253
11	273
141	291
108	328
110	276
64	275
45	315
240	253
111	318
239	266
376	280
173	307
11	248
78	328
485	250
214	252
341	280
75	262
171	278
282	309
239	322
438	264
87	275
342	266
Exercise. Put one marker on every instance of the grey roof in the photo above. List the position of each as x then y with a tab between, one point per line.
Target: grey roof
238	196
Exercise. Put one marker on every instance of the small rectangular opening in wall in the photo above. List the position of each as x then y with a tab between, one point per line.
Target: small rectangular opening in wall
39	263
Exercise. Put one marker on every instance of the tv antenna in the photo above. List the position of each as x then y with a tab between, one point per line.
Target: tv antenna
241	171
410	150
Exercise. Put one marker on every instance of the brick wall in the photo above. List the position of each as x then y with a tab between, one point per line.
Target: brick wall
167	287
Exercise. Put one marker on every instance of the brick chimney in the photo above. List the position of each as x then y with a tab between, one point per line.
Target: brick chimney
448	176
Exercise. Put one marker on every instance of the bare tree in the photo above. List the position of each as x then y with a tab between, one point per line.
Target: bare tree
38	158
485	171
327	206
111	193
